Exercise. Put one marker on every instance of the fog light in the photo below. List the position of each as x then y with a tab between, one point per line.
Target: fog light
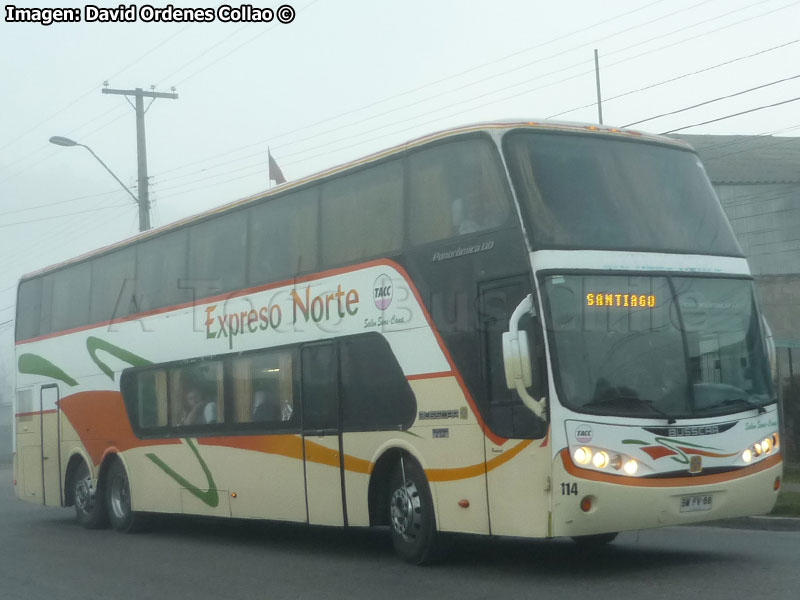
777	485
747	455
600	460
631	467
586	504
582	455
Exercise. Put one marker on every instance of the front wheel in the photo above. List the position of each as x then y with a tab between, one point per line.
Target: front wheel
118	499
411	517
90	508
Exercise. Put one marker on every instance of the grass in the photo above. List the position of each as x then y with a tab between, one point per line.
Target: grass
791	473
788	504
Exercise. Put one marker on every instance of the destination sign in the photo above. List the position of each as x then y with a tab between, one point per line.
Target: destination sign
616	299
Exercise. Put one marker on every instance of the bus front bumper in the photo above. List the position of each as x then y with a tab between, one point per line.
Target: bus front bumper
585	503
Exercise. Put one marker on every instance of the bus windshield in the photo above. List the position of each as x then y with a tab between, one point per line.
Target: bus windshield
661	347
597	192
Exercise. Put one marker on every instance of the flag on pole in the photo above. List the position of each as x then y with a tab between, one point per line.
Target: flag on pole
275	173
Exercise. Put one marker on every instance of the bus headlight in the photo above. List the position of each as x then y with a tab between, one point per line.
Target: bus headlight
630	467
760	449
605	460
600	460
582	455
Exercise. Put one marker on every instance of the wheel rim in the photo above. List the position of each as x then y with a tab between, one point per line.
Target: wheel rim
83	494
405	510
120	497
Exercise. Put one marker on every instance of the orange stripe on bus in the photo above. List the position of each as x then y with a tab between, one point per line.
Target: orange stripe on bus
37	412
305	279
477	469
706	452
667	481
429	375
291	446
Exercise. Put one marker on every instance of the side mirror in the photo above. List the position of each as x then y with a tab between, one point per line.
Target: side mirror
517	359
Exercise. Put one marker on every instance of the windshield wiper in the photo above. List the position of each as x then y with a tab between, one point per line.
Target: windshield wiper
749	402
623	401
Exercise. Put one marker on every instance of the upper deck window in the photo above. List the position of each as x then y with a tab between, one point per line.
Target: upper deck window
595	192
362	214
456	188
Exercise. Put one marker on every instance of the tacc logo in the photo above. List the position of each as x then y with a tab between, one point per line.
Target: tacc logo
382	291
584	433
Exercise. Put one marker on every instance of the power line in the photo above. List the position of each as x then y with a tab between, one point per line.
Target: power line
441	80
59	229
92	90
508	87
719	98
777	142
744	112
48	205
673	79
765	214
61	216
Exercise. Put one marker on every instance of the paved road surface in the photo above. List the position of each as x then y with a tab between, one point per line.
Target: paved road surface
45	554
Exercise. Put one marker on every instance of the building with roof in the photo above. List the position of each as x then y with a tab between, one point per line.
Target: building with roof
757	179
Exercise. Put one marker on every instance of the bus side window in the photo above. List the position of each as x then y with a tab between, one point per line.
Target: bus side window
320	388
455	188
375	392
362	214
263	389
196	394
152	399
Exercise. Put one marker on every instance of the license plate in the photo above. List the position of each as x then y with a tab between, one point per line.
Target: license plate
693	503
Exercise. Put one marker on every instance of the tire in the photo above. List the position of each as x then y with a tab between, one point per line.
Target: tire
118	499
411	518
597	540
90	506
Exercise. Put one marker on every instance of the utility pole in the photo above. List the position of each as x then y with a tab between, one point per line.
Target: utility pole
597	79
141	146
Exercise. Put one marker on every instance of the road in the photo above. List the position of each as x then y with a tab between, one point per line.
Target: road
45	554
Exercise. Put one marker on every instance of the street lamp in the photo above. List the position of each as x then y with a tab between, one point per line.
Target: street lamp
144	216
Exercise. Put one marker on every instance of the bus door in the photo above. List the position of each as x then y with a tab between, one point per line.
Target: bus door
322	435
29	445
50	415
519	499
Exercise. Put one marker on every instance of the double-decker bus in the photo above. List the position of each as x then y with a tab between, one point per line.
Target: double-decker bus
531	329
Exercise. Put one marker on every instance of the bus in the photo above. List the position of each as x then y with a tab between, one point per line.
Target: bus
515	328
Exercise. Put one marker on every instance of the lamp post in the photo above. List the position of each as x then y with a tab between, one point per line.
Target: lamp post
144	210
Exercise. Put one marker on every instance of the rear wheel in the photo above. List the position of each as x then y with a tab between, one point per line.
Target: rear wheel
118	499
90	507
411	517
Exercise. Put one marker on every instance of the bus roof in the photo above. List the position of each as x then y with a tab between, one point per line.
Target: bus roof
541	124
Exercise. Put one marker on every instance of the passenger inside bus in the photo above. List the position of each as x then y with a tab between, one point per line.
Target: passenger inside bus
271	407
265	408
197	411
